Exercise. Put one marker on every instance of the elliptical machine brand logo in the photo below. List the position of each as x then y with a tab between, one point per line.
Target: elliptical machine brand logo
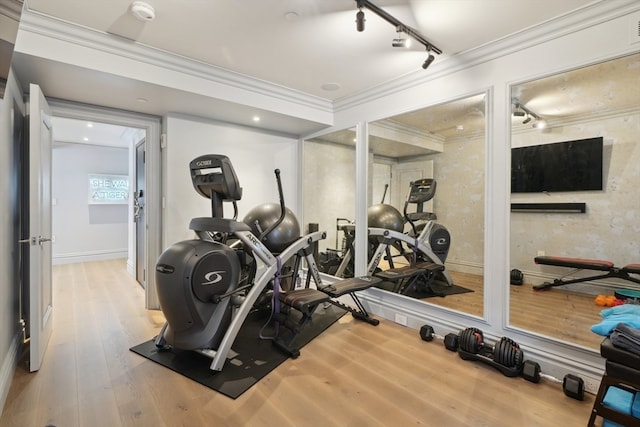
213	277
202	163
441	241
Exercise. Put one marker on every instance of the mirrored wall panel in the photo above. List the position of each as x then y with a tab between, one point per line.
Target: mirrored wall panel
425	197
575	198
427	183
329	195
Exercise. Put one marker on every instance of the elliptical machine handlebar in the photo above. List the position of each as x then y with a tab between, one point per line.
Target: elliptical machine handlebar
283	212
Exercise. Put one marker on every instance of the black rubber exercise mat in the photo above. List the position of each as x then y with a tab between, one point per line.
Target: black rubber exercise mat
435	290
253	358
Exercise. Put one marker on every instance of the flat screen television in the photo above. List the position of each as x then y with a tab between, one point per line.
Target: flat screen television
561	166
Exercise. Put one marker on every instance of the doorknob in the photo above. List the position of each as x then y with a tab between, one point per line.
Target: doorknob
41	240
31	240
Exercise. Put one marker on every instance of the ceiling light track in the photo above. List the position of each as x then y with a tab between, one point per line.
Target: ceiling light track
520	110
400	27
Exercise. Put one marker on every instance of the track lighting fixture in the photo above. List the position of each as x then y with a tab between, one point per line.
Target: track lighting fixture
400	27
399	41
539	123
360	21
517	111
520	110
429	60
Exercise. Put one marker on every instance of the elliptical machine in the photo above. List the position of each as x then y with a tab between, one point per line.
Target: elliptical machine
208	286
425	246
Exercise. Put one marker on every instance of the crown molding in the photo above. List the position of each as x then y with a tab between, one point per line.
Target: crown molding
46	26
11	9
593	14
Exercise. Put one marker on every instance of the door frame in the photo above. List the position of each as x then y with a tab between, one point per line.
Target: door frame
139	185
153	176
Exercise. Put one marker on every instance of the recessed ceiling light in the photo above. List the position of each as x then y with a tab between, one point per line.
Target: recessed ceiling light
256	118
291	16
330	86
85	139
89	125
141	100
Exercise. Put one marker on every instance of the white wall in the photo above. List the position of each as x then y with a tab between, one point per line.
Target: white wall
85	232
254	154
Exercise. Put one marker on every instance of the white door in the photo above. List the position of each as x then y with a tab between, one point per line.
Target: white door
40	281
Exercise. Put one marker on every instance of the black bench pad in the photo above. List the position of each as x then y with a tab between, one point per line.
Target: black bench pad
409	271
304	300
587	264
632	268
619	355
348	286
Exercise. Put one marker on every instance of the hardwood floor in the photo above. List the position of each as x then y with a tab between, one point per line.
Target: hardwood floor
354	374
556	313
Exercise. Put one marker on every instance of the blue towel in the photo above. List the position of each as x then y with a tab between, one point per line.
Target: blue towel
628	314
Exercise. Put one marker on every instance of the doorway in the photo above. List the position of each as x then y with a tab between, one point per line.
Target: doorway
144	240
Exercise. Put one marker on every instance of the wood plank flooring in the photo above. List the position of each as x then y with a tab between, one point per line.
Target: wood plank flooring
354	374
556	313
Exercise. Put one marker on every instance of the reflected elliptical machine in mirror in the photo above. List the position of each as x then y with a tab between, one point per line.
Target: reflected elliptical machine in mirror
574	229
426	203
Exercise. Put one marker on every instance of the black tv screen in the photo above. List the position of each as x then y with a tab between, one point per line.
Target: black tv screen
561	166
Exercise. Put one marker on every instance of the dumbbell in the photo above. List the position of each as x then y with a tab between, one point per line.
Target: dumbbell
572	385
450	340
508	353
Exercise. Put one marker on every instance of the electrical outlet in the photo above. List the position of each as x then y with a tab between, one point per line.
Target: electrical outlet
401	320
591	385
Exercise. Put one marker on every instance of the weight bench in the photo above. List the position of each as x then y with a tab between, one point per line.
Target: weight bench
306	301
403	277
606	267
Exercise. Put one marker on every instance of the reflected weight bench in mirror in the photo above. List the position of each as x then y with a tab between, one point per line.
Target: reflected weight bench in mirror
607	269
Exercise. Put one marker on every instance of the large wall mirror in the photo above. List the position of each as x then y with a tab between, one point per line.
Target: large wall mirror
575	197
329	164
445	143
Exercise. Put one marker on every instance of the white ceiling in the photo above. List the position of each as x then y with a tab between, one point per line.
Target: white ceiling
298	44
320	44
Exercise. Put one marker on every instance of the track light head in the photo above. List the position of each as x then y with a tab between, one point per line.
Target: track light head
539	123
360	21
527	120
400	42
518	111
428	61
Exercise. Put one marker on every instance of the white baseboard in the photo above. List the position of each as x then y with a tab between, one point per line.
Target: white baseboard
131	268
8	368
70	258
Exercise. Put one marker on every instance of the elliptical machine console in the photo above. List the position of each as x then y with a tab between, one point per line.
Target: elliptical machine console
420	192
192	275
